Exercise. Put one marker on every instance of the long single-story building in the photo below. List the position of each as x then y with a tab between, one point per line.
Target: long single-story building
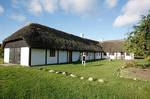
114	49
36	44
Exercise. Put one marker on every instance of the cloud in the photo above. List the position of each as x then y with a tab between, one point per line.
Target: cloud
132	12
1	9
50	5
35	7
111	3
18	17
78	6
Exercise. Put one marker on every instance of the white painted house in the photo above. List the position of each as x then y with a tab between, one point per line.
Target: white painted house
114	49
36	44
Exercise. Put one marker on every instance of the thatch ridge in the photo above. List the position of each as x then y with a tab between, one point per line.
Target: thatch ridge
113	46
40	36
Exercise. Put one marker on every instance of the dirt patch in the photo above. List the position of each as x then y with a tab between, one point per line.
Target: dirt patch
138	73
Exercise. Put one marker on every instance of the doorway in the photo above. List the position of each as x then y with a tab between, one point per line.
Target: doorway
14	55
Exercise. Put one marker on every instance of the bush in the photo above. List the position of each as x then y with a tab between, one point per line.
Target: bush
1	52
130	64
146	65
147	59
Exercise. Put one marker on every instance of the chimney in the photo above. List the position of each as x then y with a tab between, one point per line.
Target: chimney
82	35
101	40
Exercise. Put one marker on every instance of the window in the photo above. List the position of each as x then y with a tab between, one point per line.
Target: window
122	53
52	53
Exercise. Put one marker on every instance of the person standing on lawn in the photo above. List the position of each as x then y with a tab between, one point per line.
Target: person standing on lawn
84	59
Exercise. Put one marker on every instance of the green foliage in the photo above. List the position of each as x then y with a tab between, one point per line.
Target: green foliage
138	40
147	59
31	83
1	61
147	63
1	52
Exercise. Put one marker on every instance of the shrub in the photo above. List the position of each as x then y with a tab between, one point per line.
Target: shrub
147	59
130	63
1	52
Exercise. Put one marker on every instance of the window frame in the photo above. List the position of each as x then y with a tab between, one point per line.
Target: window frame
52	53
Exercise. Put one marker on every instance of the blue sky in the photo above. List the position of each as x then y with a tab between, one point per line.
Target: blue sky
97	19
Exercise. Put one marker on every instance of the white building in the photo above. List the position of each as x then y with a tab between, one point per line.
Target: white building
36	44
114	49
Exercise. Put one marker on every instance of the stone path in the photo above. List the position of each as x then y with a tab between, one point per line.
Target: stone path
75	76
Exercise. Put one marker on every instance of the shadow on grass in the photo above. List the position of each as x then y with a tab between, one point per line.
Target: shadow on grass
98	65
72	63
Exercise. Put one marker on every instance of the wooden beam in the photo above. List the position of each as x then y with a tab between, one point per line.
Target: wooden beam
94	56
67	57
30	56
101	55
45	56
57	56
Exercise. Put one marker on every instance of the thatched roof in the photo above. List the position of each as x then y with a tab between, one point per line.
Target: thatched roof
39	36
113	46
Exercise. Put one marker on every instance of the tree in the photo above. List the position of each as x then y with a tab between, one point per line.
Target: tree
138	41
1	52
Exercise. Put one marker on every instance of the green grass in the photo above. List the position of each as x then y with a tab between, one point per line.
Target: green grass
1	60
31	83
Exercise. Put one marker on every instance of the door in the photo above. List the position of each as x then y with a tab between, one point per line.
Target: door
70	56
15	55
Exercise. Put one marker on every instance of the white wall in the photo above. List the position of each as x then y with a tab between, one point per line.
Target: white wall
24	56
98	55
119	56
6	55
112	56
129	57
51	60
63	56
105	56
37	56
90	56
75	56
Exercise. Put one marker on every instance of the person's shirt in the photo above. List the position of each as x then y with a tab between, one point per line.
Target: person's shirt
83	57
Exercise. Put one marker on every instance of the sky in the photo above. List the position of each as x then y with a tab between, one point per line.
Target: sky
96	19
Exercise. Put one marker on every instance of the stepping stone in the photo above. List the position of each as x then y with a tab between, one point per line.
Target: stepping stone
123	67
101	80
134	79
81	78
73	75
57	72
51	71
64	73
90	79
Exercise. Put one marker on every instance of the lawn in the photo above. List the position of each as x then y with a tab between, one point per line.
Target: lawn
1	60
18	82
